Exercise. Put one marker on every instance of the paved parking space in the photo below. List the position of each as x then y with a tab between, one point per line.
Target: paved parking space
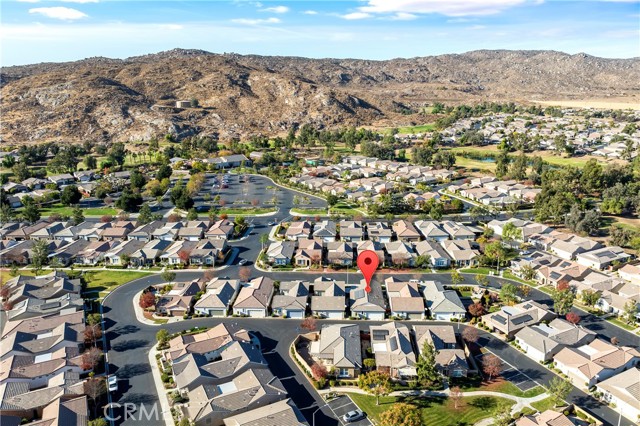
512	374
341	406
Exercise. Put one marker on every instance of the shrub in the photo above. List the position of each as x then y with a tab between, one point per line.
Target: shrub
332	383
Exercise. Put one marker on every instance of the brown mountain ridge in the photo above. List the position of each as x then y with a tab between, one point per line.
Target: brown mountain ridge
112	99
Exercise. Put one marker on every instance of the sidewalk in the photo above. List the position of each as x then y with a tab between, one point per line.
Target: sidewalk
160	390
140	315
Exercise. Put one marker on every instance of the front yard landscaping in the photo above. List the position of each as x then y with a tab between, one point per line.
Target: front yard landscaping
543	405
434	410
99	281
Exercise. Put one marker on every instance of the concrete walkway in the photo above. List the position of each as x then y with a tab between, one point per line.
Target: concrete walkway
140	314
160	390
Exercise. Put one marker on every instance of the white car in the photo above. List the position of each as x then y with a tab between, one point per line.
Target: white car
242	262
112	383
353	416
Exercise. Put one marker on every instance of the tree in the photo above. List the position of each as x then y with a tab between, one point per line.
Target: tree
147	300
91	358
375	383
94	388
559	389
401	414
40	255
494	252
137	180
426	365
319	371
91	162
168	276
456	277
370	363
93	319
630	310
508	293
185	256
264	239
129	201
180	197
562	297
482	280
470	334
524	290
100	421
192	214
455	394
162	336
92	333
477	309
590	297
70	195
573	318
491	366
145	216
332	200
527	272
510	232
78	215
30	212
309	324
423	261
244	273
502	415
164	172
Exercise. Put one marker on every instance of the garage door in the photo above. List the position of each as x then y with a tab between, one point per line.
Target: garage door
255	313
335	315
376	316
216	313
296	314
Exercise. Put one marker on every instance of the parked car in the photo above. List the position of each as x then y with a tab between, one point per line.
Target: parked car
242	262
112	383
272	223
353	416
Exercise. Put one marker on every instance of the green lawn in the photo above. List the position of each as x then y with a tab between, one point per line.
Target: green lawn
436	411
417	129
481	271
543	405
98	281
310	212
68	211
502	386
345	209
622	324
5	275
470	163
250	211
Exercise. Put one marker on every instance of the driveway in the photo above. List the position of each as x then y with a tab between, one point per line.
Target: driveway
341	406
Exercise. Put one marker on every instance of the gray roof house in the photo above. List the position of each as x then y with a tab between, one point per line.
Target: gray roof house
542	342
339	347
281	413
443	305
451	360
379	232
351	230
280	252
511	319
431	230
329	298
391	345
405	300
325	231
438	256
602	258
218	298
365	305
291	300
254	298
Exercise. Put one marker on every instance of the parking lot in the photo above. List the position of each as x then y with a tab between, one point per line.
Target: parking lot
510	373
342	405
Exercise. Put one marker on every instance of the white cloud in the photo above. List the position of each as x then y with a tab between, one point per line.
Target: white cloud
275	9
174	27
65	1
404	16
444	7
310	12
245	21
28	1
477	27
59	12
356	15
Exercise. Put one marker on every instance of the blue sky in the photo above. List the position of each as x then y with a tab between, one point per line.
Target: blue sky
63	30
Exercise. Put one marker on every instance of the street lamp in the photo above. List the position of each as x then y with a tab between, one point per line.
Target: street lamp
313	416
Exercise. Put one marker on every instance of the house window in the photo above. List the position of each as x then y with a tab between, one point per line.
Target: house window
343	372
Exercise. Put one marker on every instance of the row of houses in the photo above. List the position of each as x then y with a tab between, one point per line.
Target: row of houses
491	192
324	297
227	380
119	243
394	346
43	368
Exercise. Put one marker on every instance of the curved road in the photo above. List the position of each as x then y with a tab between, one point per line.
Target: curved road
129	341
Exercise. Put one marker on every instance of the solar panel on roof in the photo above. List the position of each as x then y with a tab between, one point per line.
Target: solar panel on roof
499	318
522	319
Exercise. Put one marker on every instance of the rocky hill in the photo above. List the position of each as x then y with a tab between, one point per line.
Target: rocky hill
132	99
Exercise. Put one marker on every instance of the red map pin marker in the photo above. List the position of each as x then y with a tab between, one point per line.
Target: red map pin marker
368	263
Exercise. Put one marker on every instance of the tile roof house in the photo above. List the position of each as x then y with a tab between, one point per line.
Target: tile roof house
615	300
195	370
280	252
48	231
254	298
438	257
451	360
309	252
623	390
145	232
400	253
432	231
542	342
391	345
209	405
457	231
291	300
630	273
150	252
218	298
371	306
379	232
597	361
54	284
25	343
511	319
373	246
122	250
208	344
546	418
405	300
351	230
339	347
31	307
42	324
208	252
602	258
325	231
298	230
462	252
180	299
178	252
37	370
329	298
340	253
405	231
443	305
281	413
